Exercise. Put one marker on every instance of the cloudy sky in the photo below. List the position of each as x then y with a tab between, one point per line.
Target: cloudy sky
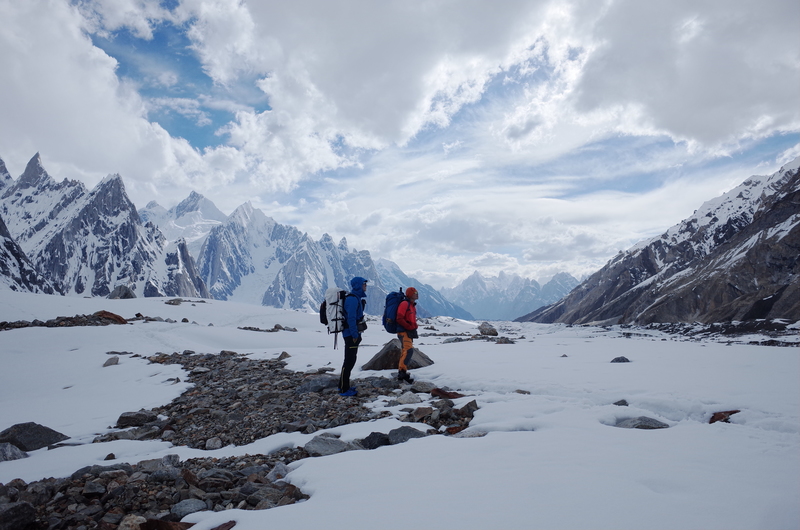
529	136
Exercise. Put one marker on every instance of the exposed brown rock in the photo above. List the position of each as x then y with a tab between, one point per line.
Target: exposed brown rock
723	416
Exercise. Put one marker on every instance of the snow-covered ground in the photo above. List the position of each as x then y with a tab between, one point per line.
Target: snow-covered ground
550	458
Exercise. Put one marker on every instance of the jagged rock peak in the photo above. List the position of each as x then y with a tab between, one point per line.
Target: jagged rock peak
17	273
111	181
196	202
5	176
34	174
244	213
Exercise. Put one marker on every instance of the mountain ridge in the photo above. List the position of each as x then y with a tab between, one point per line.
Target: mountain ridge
736	257
507	296
91	241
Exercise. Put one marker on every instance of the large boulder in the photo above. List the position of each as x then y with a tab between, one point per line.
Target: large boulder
404	434
122	292
31	436
389	357
17	515
487	329
326	444
136	419
10	452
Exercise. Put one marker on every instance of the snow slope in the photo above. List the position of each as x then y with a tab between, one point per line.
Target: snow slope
549	459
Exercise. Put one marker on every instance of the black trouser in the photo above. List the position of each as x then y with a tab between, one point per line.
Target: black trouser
350	354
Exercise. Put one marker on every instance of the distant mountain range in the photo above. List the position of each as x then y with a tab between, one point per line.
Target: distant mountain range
735	258
507	296
59	237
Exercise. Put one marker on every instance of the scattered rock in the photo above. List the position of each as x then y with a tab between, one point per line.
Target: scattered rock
324	445
642	422
487	329
470	434
275	328
620	360
375	440
31	436
101	318
504	340
108	315
131	522
111	361
422	387
17	515
237	400
723	416
621	403
389	357
136	419
122	292
438	392
318	384
404	434
408	398
455	429
10	452
524	392
469	409
213	443
184	508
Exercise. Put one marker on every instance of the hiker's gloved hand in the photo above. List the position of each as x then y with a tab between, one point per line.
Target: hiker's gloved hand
412	334
358	340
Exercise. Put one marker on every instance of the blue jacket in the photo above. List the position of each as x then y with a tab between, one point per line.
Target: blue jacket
354	308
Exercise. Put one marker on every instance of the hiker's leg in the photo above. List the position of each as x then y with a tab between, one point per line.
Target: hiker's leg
405	352
409	353
350	354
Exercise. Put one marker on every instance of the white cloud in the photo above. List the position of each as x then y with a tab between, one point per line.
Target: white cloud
698	71
476	129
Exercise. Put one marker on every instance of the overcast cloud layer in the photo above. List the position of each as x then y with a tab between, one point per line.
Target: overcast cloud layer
448	136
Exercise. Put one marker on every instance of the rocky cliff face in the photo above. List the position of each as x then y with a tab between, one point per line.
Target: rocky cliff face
736	258
5	177
507	296
88	242
250	258
17	273
191	220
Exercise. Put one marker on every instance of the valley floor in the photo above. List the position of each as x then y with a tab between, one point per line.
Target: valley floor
542	450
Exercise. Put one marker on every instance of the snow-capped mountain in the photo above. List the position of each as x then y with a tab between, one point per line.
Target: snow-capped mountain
5	177
253	259
507	296
735	258
192	220
17	273
88	242
431	302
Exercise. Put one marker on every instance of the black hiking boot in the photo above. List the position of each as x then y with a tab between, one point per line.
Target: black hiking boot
402	375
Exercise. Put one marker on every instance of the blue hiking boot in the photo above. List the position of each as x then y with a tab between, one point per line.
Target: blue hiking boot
349	393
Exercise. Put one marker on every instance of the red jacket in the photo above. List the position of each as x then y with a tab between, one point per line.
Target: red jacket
407	315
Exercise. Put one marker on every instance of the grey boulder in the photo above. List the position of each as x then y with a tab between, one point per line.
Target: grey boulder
389	357
31	436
